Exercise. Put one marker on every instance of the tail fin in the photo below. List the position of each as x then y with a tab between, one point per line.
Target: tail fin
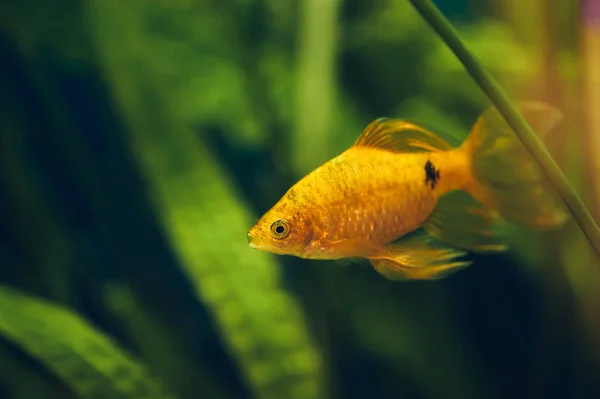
505	176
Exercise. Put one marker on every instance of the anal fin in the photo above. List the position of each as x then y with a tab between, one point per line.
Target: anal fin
418	258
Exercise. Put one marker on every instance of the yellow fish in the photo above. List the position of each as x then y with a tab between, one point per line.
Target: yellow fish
412	204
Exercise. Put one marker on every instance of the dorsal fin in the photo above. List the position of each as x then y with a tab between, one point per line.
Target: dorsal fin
398	135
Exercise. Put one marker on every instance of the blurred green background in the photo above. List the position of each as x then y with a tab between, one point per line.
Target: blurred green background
140	140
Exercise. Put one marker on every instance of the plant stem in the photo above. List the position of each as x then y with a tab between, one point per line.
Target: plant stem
315	82
523	131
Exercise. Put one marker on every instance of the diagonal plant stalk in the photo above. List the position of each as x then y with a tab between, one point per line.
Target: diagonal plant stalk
500	99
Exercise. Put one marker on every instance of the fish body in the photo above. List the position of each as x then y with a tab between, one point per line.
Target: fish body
399	178
374	194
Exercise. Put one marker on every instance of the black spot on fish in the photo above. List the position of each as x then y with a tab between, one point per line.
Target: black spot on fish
432	175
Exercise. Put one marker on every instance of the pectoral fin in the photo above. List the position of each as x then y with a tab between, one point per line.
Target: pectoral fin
419	258
354	248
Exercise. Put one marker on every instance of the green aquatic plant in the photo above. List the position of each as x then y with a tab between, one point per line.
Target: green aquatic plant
315	82
521	128
91	364
261	325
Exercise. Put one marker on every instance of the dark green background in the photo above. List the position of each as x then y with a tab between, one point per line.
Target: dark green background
89	87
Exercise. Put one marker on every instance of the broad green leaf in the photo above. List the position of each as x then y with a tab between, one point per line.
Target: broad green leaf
88	362
204	218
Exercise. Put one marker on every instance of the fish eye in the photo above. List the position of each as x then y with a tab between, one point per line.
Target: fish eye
280	229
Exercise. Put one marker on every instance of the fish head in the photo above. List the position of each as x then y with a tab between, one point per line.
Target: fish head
283	230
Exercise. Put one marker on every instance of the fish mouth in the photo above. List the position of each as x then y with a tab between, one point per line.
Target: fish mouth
254	242
259	244
250	239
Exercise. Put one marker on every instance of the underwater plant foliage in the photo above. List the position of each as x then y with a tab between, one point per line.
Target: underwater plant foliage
85	358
